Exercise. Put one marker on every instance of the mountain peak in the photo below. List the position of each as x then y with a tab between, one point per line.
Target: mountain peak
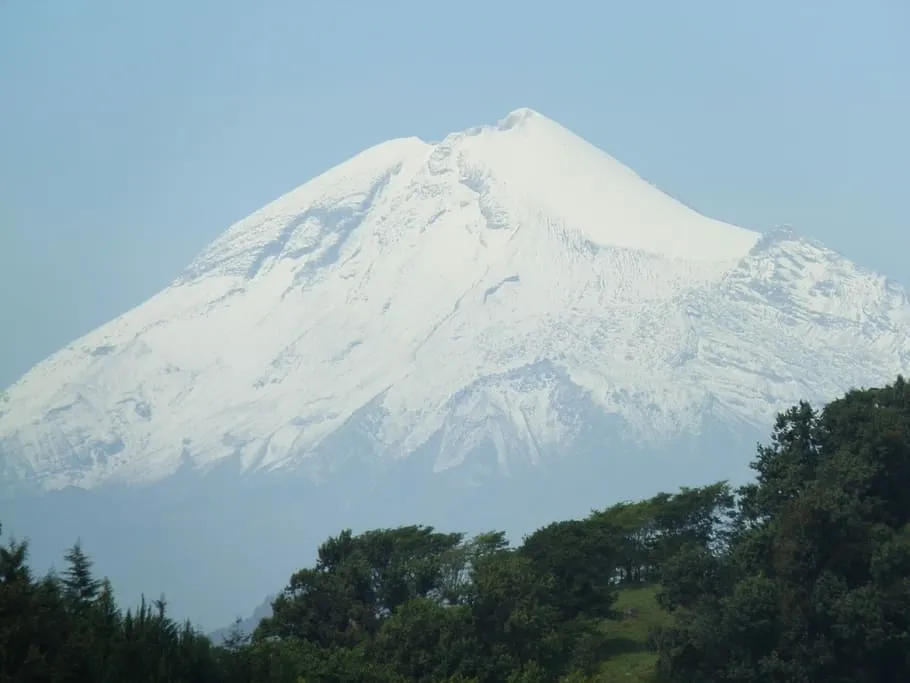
529	160
525	167
518	117
507	285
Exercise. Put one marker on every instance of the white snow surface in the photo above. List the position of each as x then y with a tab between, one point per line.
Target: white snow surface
428	284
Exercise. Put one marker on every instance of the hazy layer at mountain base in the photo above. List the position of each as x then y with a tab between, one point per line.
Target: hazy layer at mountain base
217	544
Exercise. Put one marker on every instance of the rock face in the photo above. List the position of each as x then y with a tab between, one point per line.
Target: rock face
497	292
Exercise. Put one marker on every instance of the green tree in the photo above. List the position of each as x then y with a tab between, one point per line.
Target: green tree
515	615
359	581
80	585
581	558
426	641
632	526
813	584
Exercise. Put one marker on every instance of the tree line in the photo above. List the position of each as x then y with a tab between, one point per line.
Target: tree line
802	575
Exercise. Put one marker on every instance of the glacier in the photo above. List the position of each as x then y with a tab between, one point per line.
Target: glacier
507	301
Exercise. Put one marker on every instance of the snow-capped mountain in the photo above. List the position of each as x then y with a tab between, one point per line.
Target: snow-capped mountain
471	292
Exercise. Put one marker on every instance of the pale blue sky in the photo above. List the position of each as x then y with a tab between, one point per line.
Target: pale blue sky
132	133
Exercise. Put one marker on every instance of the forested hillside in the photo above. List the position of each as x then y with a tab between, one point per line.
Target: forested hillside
803	575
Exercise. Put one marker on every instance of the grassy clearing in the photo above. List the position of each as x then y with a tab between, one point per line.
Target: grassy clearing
629	658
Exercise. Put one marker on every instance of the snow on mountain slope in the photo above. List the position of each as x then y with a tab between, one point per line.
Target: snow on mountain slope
468	291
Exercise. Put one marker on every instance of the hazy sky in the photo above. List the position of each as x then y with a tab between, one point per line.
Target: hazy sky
132	133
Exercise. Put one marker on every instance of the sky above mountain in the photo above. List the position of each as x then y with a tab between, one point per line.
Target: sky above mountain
132	134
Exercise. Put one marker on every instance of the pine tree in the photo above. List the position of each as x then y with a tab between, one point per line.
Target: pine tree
80	585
